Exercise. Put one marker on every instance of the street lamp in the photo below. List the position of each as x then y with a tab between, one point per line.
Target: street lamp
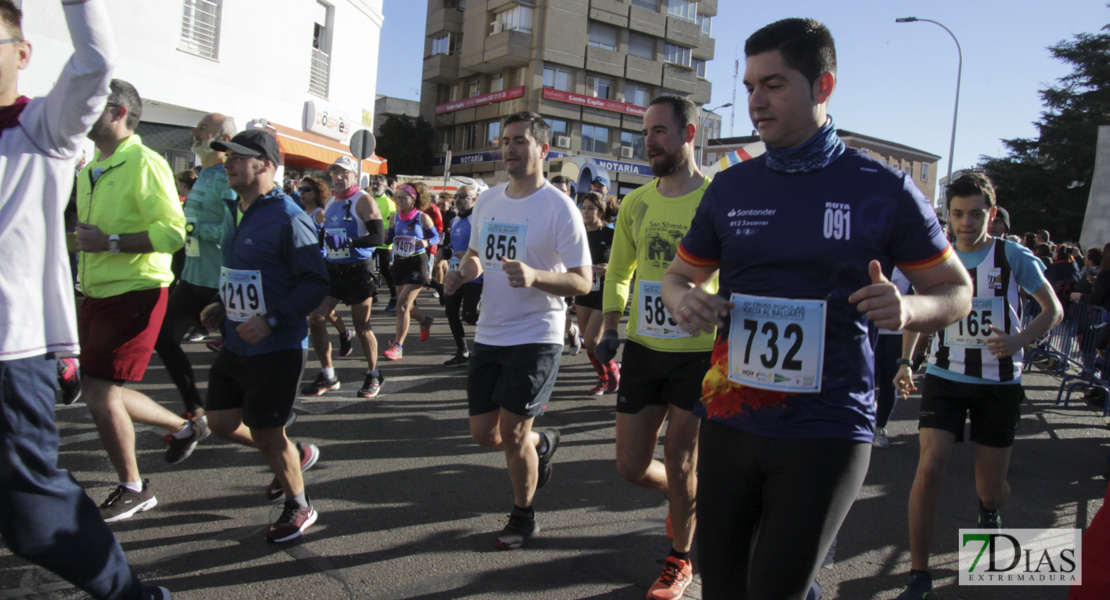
705	134
959	73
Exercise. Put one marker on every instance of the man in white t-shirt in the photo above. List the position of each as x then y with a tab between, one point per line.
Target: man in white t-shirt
529	241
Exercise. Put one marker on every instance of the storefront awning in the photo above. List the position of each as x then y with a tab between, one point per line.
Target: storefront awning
307	149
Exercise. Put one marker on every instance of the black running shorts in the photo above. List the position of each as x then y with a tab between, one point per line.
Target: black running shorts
652	377
995	409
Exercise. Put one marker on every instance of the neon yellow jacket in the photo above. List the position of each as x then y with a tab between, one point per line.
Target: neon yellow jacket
135	192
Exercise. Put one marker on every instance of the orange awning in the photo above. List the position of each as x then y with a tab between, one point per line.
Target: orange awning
307	149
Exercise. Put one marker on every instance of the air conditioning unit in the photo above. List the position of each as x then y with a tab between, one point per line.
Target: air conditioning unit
562	141
626	151
495	27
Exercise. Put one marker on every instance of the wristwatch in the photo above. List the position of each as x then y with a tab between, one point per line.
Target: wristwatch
904	361
272	321
113	243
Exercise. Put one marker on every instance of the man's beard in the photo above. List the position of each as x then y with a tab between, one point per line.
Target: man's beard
202	149
670	164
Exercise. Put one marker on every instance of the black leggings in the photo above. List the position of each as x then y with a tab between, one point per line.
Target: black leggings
770	509
467	299
887	352
385	269
182	312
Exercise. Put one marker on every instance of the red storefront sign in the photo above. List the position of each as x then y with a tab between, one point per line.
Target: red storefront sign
489	98
610	105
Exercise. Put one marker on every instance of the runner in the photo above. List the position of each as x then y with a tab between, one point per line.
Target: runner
272	277
314	192
663	365
975	367
470	293
801	238
588	306
383	254
412	233
528	238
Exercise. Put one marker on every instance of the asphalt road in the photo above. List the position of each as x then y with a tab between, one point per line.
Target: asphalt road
409	505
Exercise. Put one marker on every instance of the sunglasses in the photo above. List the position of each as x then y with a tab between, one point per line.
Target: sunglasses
305	188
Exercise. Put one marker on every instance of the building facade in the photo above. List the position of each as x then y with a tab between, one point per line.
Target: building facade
590	67
283	68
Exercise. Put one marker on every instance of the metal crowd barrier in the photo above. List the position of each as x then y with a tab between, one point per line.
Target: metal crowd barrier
1068	350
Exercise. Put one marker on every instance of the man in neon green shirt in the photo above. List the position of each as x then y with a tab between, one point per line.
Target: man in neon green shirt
663	365
130	223
383	252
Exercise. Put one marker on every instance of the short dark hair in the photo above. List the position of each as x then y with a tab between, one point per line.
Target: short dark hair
540	129
685	111
124	94
805	44
12	17
970	184
1043	233
1094	255
556	180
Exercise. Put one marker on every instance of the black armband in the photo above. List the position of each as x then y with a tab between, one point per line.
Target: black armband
375	235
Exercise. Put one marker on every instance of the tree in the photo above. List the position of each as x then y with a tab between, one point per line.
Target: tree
407	145
1045	182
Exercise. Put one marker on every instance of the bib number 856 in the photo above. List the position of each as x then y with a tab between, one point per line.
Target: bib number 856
500	245
770	359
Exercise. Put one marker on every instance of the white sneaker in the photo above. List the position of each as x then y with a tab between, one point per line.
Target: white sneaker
575	340
881	440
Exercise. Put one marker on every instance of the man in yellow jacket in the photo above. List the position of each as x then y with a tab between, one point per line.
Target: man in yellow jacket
130	223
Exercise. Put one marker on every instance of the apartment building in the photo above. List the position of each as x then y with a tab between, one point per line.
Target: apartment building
590	67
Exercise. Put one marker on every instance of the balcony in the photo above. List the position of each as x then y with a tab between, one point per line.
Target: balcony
683	33
444	19
441	68
647	21
705	48
702	92
643	70
505	50
605	62
679	78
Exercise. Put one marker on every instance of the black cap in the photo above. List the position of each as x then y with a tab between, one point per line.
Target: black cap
252	142
1004	216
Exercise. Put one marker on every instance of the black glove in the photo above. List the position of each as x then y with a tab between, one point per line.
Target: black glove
607	348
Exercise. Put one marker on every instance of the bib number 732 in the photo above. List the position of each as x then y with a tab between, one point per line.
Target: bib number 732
776	343
793	335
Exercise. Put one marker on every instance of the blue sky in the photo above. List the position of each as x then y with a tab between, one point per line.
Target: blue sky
896	81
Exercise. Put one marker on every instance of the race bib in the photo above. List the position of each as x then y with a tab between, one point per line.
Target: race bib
404	246
502	239
596	285
241	292
777	344
342	252
192	244
655	320
973	330
453	264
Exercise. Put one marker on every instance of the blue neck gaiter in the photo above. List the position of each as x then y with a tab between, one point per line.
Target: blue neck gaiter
816	153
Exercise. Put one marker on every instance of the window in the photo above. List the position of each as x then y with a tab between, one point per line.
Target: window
595	139
705	23
447	43
496	82
636	94
683	9
641	45
445	94
449	136
636	142
924	171
908	169
603	36
455	4
699	66
518	18
601	87
652	5
473	88
558	127
321	50
556	78
678	55
469	136
200	28
493	134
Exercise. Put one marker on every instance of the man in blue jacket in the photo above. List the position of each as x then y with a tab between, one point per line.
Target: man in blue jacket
272	276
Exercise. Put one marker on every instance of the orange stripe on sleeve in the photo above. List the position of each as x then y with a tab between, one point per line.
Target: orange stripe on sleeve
694	261
927	263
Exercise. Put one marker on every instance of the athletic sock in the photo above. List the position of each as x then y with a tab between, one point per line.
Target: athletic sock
678	555
134	486
527	513
328	372
610	366
185	431
600	368
375	373
923	574
300	499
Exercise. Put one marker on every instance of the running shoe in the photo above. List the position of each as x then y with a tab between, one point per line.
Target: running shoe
123	503
320	385
918	587
881	440
215	345
69	380
155	592
426	328
677	574
392	306
519	530
459	360
394	351
293	521
575	340
180	449
989	519
196	335
599	389
552	437
372	386
614	379
309	455
345	345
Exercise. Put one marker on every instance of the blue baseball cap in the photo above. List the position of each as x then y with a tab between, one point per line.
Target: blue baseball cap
603	180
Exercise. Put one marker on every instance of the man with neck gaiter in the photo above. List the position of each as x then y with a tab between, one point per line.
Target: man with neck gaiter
803	240
663	365
352	229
